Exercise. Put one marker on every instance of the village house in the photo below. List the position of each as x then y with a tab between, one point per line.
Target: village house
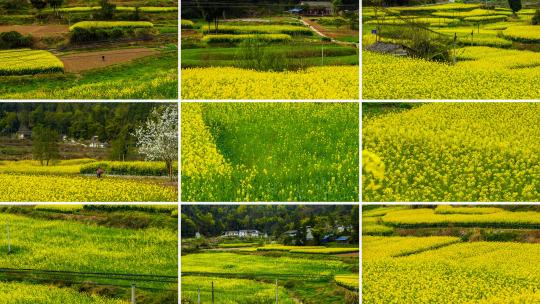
316	8
23	133
95	143
249	233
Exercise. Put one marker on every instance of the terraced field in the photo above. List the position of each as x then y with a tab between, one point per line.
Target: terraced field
488	53
487	265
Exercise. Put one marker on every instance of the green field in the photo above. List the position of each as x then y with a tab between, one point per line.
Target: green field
298	275
485	263
270	152
101	242
494	56
56	53
258	45
156	78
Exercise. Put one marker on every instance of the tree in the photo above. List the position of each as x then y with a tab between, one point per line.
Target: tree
107	9
38	4
336	5
55	3
44	144
515	5
157	139
120	146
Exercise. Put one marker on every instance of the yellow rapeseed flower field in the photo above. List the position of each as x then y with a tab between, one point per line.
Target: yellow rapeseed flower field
390	77
456	152
56	188
328	82
478	272
26	62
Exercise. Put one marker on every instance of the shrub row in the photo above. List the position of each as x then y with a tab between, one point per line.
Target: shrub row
128	168
259	29
13	40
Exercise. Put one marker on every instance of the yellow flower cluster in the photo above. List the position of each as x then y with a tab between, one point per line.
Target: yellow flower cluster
57	188
228	290
457	152
523	33
472	13
26	61
349	281
158	88
384	247
238	38
200	156
390	77
329	82
110	24
431	218
260	29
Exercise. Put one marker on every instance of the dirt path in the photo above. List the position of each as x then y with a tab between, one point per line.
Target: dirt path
321	31
74	63
38	31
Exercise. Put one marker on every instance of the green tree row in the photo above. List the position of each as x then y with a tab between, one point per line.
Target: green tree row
271	219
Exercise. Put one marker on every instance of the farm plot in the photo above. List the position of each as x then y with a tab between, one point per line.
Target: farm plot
453	152
482	271
447	70
74	63
227	154
38	31
90	256
26	61
157	78
265	59
95	55
43	188
296	277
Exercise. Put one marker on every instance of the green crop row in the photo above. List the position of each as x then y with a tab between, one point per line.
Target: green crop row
259	29
240	38
145	9
144	168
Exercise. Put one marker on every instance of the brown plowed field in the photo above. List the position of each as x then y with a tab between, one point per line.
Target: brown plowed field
78	62
38	31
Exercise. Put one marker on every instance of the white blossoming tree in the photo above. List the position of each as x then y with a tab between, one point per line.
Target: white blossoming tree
157	139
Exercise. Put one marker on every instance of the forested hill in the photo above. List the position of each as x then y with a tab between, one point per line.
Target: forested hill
76	120
271	219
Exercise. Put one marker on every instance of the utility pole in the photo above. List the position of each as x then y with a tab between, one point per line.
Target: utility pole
322	54
277	292
212	292
8	240
132	293
199	295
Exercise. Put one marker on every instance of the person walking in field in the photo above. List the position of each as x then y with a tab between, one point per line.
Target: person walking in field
99	172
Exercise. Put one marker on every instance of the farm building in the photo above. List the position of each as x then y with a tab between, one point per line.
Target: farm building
292	233
23	133
316	8
343	240
243	233
95	143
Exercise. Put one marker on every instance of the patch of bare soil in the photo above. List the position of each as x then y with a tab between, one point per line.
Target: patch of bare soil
78	62
38	31
351	254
